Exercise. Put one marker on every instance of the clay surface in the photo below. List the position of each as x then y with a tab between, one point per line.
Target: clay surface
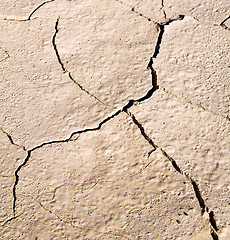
114	119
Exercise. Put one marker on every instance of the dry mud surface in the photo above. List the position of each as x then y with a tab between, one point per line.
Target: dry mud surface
114	119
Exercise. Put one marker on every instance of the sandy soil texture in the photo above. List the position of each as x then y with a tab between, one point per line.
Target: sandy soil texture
114	119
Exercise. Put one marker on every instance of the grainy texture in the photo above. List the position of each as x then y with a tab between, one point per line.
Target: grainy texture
114	119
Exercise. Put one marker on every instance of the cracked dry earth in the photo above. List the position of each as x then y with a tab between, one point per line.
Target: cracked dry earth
114	119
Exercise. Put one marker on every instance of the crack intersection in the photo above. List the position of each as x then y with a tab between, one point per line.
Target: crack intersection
11	139
24	19
125	109
196	189
29	18
222	24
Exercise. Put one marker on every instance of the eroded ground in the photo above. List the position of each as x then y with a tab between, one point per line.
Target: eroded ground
114	119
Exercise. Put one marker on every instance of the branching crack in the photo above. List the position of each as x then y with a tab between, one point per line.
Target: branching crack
9	220
138	13
167	22
161	32
63	67
222	24
70	138
196	189
125	108
38	8
24	19
11	139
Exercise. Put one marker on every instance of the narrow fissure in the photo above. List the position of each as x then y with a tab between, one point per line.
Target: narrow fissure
24	19
222	24
55	46
185	99
38	8
63	67
162	7
225	20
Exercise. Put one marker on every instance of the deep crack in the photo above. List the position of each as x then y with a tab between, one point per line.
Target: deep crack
17	180
70	138
9	220
212	220
161	32
198	195
150	64
125	108
196	189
